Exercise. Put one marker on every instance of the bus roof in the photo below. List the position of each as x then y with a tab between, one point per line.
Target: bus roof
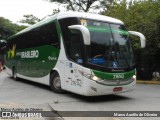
62	15
88	16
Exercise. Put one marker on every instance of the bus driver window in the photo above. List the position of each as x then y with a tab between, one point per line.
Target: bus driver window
75	49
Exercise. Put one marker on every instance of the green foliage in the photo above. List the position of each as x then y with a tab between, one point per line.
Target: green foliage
7	28
20	27
142	16
30	19
84	5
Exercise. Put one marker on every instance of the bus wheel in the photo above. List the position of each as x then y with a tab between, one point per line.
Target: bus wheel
14	73
55	83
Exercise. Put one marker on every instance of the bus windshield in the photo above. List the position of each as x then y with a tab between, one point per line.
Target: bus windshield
110	45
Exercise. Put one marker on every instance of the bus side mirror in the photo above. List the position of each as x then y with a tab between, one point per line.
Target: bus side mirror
85	32
142	37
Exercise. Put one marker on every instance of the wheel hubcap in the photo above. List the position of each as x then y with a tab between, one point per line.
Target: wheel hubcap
57	83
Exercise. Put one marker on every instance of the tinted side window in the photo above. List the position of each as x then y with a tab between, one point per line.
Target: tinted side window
75	52
47	35
43	35
64	23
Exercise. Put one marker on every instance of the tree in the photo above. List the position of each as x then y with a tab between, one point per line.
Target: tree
84	5
19	27
30	19
6	28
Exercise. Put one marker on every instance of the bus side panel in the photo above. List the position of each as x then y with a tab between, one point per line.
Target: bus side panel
59	67
42	80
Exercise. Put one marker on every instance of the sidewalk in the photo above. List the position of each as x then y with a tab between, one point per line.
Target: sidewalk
3	75
148	82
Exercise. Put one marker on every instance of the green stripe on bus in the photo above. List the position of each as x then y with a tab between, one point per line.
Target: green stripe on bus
114	76
105	29
58	31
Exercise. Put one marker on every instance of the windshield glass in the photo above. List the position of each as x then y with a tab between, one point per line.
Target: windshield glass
110	45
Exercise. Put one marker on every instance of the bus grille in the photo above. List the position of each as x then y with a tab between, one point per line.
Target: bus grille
116	82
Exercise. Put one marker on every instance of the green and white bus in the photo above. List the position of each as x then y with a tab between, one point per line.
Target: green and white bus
83	53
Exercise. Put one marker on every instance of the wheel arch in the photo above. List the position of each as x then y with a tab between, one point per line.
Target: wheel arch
54	71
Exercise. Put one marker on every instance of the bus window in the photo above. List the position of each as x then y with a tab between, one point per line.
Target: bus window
49	35
64	23
75	50
43	35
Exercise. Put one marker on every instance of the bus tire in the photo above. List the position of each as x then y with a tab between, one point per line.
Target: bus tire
55	83
14	73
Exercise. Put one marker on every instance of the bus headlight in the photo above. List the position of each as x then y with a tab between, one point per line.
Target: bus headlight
89	76
134	77
95	78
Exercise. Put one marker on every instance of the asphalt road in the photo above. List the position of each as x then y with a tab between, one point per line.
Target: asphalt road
25	94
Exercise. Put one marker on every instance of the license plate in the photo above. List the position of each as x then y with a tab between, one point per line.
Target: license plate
117	89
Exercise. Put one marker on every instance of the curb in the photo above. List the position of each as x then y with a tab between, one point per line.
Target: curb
148	82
